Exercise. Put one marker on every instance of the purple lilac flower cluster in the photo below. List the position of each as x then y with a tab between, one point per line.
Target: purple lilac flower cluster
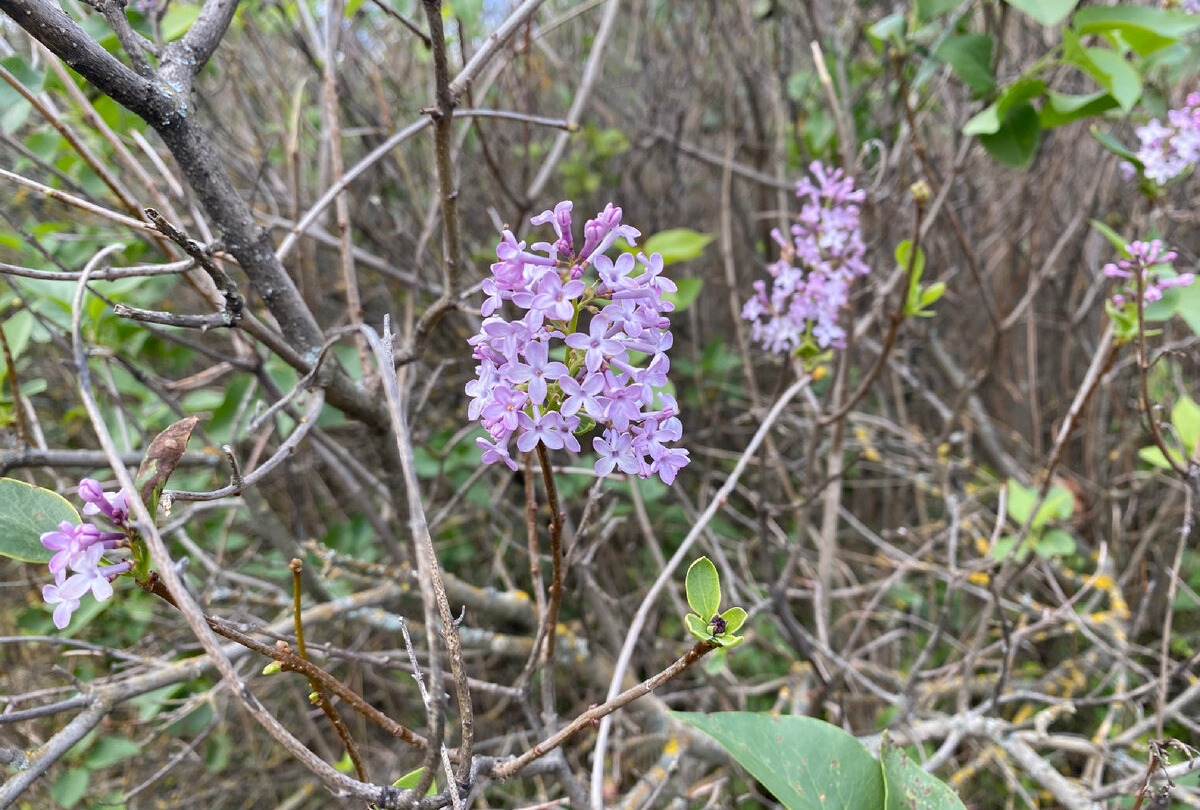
815	268
521	392
1150	260
1169	149
79	549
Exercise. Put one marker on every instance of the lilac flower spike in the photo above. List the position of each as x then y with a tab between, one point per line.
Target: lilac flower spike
1169	149
1150	260
811	279
81	548
595	323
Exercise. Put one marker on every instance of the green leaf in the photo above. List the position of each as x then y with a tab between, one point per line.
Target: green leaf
108	751
677	244
70	786
1116	76
909	786
929	9
984	122
1144	29
162	457
698	627
1006	546
1055	543
1185	417
1188	306
1046	12
703	588
1063	108
904	255
734	618
1015	143
890	28
688	290
411	779
14	109
17	329
1059	505
1113	145
804	762
970	57
27	513
1154	457
933	293
1020	501
1115	239
178	20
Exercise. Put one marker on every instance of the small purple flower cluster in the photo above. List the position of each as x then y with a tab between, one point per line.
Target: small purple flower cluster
520	391
80	548
1150	260
1168	150
813	275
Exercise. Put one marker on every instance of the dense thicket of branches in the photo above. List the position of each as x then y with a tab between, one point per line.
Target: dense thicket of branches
857	538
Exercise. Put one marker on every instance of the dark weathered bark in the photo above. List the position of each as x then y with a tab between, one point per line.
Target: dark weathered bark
164	102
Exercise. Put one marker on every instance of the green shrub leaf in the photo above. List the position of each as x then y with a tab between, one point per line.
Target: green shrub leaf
29	511
677	244
970	57
703	589
1046	12
908	786
804	762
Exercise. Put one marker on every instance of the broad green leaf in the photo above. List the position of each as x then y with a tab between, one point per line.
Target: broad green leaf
698	627
990	120
984	122
1020	501
1046	12
804	762
734	618
1154	457
688	290
889	29
411	779
1055	543
904	255
17	329
703	588
1063	108
178	20
1116	76
933	293
677	244
110	750
1188	306
1185	416
970	57
1005	547
14	109
1059	505
1015	143
70	786
909	786
929	9
1143	28
25	513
